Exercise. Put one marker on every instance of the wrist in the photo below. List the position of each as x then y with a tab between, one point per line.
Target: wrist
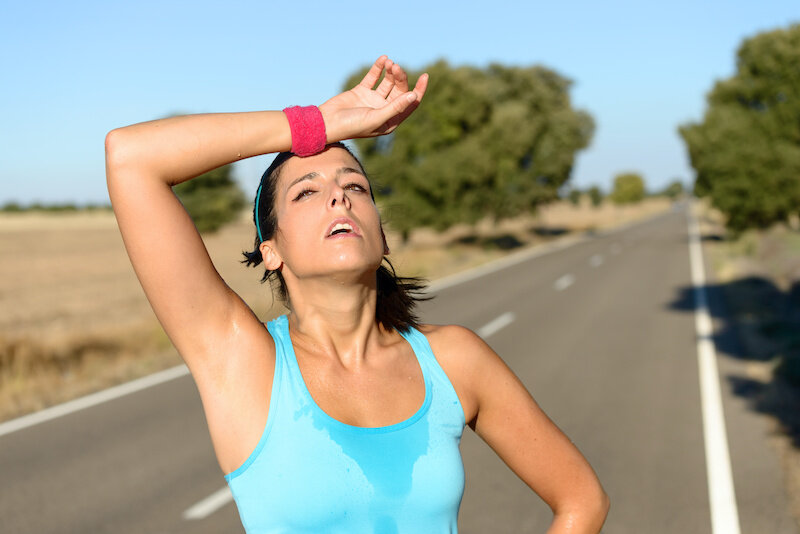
307	127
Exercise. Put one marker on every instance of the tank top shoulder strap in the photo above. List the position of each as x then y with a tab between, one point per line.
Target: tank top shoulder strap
294	385
277	329
432	369
422	349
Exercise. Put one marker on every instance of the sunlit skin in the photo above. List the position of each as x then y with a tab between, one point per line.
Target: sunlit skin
312	193
357	371
331	282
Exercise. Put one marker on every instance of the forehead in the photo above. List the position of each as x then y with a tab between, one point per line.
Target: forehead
323	163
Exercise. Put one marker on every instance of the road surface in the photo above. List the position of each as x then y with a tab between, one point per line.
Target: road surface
600	331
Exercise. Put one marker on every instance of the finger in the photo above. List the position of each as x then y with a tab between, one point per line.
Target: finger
421	86
396	107
374	73
400	81
387	84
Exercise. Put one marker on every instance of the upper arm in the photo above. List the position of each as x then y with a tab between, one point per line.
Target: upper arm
190	299
504	414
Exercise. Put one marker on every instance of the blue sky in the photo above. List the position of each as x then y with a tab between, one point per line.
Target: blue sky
72	71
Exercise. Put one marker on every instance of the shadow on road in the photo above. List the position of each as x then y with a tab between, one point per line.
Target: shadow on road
502	242
759	323
509	241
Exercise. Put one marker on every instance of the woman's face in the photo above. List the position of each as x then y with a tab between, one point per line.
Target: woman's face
328	224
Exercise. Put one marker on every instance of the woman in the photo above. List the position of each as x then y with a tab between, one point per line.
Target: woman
341	416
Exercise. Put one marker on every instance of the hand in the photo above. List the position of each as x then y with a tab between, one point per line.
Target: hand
366	112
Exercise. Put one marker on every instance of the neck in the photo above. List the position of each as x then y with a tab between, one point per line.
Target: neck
335	318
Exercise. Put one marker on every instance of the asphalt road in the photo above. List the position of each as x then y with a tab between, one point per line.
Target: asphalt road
600	332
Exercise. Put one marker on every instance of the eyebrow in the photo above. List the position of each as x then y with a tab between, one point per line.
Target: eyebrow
314	174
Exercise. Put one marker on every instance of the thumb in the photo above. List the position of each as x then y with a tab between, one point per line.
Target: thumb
396	106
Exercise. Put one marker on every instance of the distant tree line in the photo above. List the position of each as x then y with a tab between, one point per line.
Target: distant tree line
746	150
486	142
628	188
212	200
13	206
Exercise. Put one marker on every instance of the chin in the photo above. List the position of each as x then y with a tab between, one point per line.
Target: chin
344	267
354	267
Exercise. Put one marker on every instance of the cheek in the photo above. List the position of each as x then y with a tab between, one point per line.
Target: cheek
299	228
294	230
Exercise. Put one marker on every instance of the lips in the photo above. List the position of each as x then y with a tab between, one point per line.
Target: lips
342	227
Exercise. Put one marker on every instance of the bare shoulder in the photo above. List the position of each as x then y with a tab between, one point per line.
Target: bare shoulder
466	359
459	343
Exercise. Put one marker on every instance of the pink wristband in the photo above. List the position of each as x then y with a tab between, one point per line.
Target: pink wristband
308	130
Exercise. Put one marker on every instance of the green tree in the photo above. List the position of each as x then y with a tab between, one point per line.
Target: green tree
494	142
746	151
673	190
212	199
628	188
596	195
574	197
12	206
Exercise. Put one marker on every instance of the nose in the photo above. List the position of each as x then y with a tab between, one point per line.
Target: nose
339	197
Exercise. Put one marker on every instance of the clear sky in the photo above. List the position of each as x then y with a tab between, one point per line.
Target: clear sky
72	71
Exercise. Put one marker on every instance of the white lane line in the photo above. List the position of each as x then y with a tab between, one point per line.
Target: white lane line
507	261
722	497
534	252
209	505
92	400
495	325
596	260
564	282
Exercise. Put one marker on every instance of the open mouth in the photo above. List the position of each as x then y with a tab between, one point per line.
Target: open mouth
342	227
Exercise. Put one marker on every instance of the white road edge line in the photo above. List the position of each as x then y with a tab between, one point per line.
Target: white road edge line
564	282
209	505
721	494
495	325
88	401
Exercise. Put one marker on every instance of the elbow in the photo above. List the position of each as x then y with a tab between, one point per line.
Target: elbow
114	145
121	159
586	516
596	510
604	505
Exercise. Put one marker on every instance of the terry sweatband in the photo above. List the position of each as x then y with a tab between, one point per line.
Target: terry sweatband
308	130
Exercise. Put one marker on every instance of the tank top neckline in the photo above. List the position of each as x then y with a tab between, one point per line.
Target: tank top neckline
283	323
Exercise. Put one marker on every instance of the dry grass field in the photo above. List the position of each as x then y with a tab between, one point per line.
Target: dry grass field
73	318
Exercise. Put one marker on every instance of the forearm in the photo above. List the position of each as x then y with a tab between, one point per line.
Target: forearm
176	149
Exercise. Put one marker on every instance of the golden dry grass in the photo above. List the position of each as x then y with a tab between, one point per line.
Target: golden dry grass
73	318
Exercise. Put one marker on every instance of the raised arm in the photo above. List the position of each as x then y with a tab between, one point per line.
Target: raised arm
143	162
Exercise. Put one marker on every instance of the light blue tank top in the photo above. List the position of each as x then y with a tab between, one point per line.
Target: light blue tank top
311	473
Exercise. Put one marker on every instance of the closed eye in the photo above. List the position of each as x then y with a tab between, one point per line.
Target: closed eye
356	187
302	194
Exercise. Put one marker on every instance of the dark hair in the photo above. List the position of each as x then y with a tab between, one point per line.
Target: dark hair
397	295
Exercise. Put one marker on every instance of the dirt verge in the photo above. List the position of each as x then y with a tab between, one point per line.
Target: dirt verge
758	278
